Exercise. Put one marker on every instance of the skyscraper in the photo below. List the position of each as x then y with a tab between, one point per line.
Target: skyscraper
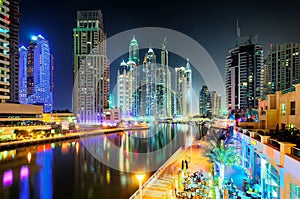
123	91
180	90
4	52
150	83
23	75
244	73
188	77
13	18
36	73
282	67
204	102
91	68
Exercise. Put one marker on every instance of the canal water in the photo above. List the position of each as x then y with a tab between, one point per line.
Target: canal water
102	166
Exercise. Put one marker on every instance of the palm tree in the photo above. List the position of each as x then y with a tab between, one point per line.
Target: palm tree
224	156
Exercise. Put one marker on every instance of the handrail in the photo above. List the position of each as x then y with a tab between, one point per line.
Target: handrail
155	174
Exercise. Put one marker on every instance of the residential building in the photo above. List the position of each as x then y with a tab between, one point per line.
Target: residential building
282	67
91	68
180	90
280	108
244	73
123	90
14	23
5	69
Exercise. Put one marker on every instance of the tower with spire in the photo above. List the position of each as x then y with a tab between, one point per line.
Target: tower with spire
188	80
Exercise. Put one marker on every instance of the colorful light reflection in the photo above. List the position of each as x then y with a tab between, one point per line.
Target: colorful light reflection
24	173
8	178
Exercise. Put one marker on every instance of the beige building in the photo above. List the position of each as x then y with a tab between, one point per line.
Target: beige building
21	117
282	108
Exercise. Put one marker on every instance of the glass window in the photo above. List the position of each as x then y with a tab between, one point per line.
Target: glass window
283	108
293	108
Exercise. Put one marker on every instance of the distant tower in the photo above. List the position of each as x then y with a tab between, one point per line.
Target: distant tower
23	75
204	104
36	73
123	89
91	68
134	51
188	77
150	83
180	90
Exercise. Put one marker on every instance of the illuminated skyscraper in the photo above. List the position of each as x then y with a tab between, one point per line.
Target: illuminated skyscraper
282	67
91	68
163	84
244	73
180	90
5	70
188	94
23	75
123	91
150	83
36	73
204	104
13	18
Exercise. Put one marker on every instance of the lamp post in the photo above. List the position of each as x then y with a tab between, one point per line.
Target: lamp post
140	178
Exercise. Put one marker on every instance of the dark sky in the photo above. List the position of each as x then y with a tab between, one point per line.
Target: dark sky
210	22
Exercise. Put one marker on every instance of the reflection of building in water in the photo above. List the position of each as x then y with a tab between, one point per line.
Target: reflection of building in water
44	158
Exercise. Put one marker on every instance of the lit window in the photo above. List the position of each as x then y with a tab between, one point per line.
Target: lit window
283	109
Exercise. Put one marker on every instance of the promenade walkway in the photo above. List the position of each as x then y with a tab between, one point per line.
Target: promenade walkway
163	186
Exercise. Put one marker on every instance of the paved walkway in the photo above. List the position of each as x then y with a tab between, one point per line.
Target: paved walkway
163	186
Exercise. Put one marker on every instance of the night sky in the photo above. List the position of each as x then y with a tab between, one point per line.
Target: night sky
211	23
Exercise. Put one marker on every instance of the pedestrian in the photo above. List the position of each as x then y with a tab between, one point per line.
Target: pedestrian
186	164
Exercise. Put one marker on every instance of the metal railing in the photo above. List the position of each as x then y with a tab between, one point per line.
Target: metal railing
156	174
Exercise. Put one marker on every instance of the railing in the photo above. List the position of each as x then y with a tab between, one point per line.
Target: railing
257	137
274	143
156	174
288	90
296	152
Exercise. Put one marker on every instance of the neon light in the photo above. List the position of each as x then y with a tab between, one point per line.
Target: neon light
8	178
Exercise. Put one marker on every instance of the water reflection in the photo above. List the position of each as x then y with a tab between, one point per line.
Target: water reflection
71	169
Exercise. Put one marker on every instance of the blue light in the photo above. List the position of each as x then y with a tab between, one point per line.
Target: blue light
34	38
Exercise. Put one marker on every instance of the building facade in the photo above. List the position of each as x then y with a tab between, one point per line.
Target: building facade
282	67
91	68
281	108
14	23
244	73
123	89
204	102
36	74
244	76
5	70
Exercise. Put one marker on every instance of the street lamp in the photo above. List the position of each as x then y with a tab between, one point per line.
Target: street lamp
140	178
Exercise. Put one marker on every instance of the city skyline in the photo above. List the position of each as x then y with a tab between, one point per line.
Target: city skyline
216	32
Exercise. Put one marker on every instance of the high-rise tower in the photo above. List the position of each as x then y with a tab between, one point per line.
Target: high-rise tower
14	18
282	67
4	52
23	75
91	68
36	70
188	77
244	73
